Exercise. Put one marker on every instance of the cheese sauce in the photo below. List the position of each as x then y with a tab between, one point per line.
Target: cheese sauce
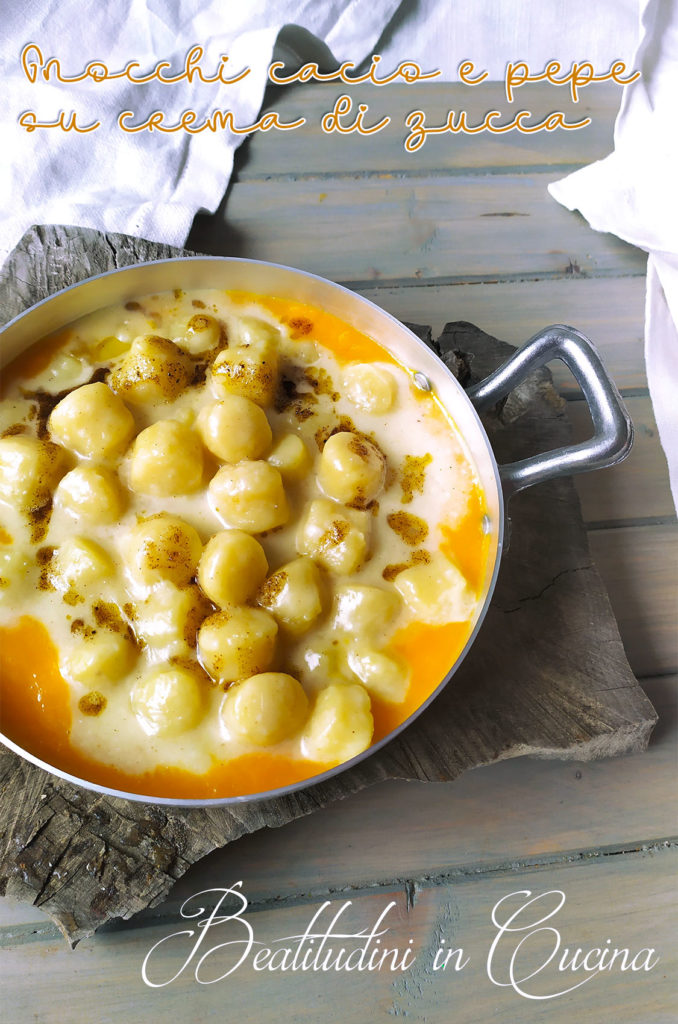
428	513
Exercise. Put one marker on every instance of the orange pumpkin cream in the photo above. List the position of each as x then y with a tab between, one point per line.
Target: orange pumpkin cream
238	545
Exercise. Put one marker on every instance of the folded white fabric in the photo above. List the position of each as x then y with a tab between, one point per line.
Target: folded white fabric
441	34
146	183
633	193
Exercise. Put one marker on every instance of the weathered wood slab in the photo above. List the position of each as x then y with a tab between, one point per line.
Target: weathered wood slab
547	676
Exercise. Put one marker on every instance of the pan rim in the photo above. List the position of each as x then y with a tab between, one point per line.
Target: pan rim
335	770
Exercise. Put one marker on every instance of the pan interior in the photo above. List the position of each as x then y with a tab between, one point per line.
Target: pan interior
285	283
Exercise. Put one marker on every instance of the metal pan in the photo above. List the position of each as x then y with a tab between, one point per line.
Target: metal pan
610	443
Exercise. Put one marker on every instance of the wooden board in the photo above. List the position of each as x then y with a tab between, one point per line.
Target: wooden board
312	153
608	310
629	891
416	229
638	488
546	677
640	566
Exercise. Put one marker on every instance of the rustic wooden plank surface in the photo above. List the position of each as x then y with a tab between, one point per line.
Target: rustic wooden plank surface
639	565
495	710
426	911
416	229
638	488
608	310
592	816
311	152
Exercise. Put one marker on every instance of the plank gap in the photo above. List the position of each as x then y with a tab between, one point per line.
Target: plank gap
534	277
416	881
621	524
315	151
374	284
578	396
407	174
13	936
428	228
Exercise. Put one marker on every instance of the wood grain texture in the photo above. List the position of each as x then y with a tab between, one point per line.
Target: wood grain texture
628	891
310	151
638	565
609	310
546	677
636	488
414	230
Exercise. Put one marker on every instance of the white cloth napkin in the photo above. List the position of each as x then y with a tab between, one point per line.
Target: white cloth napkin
633	193
441	34
148	184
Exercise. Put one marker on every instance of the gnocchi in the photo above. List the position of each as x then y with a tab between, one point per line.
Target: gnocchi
323	661
340	725
14	571
290	457
235	428
333	536
265	708
241	534
154	370
436	592
79	562
292	595
103	658
29	471
91	494
250	369
380	673
167	702
253	331
93	422
166	459
352	469
168	619
237	643
203	333
162	548
231	567
361	609
249	496
371	388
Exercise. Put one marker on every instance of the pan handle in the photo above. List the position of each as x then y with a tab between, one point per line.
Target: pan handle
613	429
